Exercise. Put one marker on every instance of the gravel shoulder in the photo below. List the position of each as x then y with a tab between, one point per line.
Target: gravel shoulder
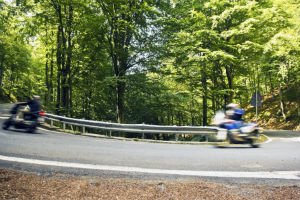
25	185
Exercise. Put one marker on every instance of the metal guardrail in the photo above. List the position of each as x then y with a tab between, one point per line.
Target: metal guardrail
5	108
136	128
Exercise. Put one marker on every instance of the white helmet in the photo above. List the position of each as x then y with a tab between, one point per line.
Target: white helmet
232	106
36	97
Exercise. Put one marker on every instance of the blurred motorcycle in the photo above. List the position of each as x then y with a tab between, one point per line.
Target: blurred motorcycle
247	133
22	118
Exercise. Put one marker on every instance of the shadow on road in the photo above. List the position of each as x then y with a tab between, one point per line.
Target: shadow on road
14	130
241	146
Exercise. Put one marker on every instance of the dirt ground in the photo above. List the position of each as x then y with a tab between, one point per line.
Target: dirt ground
24	185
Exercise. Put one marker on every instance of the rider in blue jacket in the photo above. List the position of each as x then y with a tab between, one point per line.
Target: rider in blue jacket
234	114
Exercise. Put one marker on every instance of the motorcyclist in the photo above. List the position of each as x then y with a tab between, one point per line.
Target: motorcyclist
35	106
233	116
28	110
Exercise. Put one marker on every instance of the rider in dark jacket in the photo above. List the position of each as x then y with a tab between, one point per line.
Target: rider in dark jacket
35	107
34	104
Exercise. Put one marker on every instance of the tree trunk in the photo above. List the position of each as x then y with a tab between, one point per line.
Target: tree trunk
271	84
58	77
119	39
282	106
192	111
214	79
70	113
67	86
229	76
1	76
51	93
1	71
47	96
120	100
169	116
64	56
204	95
47	78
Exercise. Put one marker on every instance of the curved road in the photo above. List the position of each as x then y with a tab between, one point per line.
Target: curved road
277	159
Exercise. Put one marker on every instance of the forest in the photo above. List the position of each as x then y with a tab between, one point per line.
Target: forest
164	62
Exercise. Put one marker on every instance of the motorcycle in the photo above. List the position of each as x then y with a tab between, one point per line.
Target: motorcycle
247	133
22	118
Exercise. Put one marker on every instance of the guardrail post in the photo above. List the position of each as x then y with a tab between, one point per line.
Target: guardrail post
176	137
143	134
109	133
51	123
83	129
64	124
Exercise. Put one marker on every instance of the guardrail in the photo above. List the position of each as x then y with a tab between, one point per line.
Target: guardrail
5	108
135	128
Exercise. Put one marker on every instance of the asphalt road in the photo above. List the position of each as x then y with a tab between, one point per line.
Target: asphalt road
282	154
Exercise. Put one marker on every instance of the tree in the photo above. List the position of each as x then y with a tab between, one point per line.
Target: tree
125	23
223	40
164	62
15	57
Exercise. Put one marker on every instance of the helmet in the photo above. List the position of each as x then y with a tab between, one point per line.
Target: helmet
36	97
232	106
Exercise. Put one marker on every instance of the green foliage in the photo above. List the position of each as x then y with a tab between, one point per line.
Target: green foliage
156	62
18	75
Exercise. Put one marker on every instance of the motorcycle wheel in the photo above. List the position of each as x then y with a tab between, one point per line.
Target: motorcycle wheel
31	130
6	125
253	144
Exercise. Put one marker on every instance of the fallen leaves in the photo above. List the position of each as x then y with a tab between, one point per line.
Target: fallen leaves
23	185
